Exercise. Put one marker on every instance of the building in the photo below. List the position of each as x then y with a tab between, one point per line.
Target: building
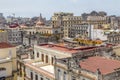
99	20
41	63
114	37
47	30
8	64
2	21
80	31
3	36
29	37
67	20
14	34
91	68
99	34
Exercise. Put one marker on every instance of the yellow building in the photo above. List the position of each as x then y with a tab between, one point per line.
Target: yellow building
8	66
67	20
3	36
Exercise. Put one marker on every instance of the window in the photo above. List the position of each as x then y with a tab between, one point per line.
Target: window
64	76
30	33
31	75
41	78
46	58
59	74
36	77
42	57
52	60
37	54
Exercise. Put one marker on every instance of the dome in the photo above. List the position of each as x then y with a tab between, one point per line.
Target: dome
39	23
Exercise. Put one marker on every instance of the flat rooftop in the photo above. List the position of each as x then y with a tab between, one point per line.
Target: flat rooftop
49	68
63	48
105	65
39	67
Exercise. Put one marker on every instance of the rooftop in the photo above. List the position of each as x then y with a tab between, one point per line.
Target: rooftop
105	65
41	68
49	68
64	48
5	45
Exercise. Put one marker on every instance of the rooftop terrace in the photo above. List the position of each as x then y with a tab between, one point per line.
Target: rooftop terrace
64	48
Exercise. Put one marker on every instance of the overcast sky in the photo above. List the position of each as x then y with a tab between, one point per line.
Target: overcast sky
30	8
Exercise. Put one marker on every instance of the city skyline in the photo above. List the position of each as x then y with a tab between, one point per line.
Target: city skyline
30	8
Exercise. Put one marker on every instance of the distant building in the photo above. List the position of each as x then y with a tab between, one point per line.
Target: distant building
86	31
67	20
3	36
14	34
114	37
83	30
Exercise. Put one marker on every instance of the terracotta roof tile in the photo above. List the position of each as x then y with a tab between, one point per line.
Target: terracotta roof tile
103	64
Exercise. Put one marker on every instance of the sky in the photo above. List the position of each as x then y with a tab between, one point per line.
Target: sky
31	8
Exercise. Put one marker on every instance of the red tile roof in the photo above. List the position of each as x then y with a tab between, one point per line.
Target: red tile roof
5	45
103	64
60	48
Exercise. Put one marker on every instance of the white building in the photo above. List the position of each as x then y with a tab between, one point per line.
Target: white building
41	64
98	34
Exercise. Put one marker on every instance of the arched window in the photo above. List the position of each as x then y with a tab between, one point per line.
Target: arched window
36	77
46	58
37	54
42	57
52	60
31	75
41	78
30	33
58	78
65	76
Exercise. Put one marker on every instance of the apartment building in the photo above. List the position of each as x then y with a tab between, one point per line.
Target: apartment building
3	36
91	68
14	34
42	64
8	62
67	20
